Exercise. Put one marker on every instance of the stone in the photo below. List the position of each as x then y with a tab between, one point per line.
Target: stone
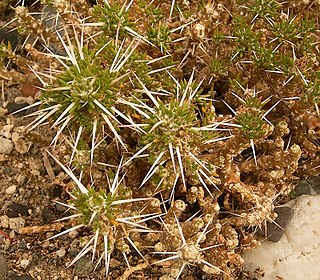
48	214
61	253
21	146
22	99
45	244
73	234
11	190
114	263
6	146
4	221
83	267
14	210
15	136
13	107
315	185
23	244
297	254
114	274
24	263
303	187
276	229
16	223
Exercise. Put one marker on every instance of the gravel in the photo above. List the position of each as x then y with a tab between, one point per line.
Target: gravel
24	263
61	253
6	146
11	190
17	223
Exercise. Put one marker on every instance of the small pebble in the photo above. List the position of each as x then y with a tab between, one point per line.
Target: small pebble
22	99
73	234
114	263
83	267
16	223
6	146
45	244
6	170
13	107
35	166
115	274
15	136
12	234
4	221
24	263
21	146
6	130
15	210
23	244
11	189
61	208
61	253
49	234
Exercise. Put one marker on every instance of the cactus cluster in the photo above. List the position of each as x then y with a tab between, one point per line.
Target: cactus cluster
185	120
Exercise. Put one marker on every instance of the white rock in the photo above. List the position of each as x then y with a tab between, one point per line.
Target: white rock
24	263
297	255
6	146
61	253
23	99
16	223
11	189
4	221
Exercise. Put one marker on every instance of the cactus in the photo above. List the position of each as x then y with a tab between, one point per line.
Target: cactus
197	127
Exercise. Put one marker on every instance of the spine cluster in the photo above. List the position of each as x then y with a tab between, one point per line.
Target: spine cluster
182	121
